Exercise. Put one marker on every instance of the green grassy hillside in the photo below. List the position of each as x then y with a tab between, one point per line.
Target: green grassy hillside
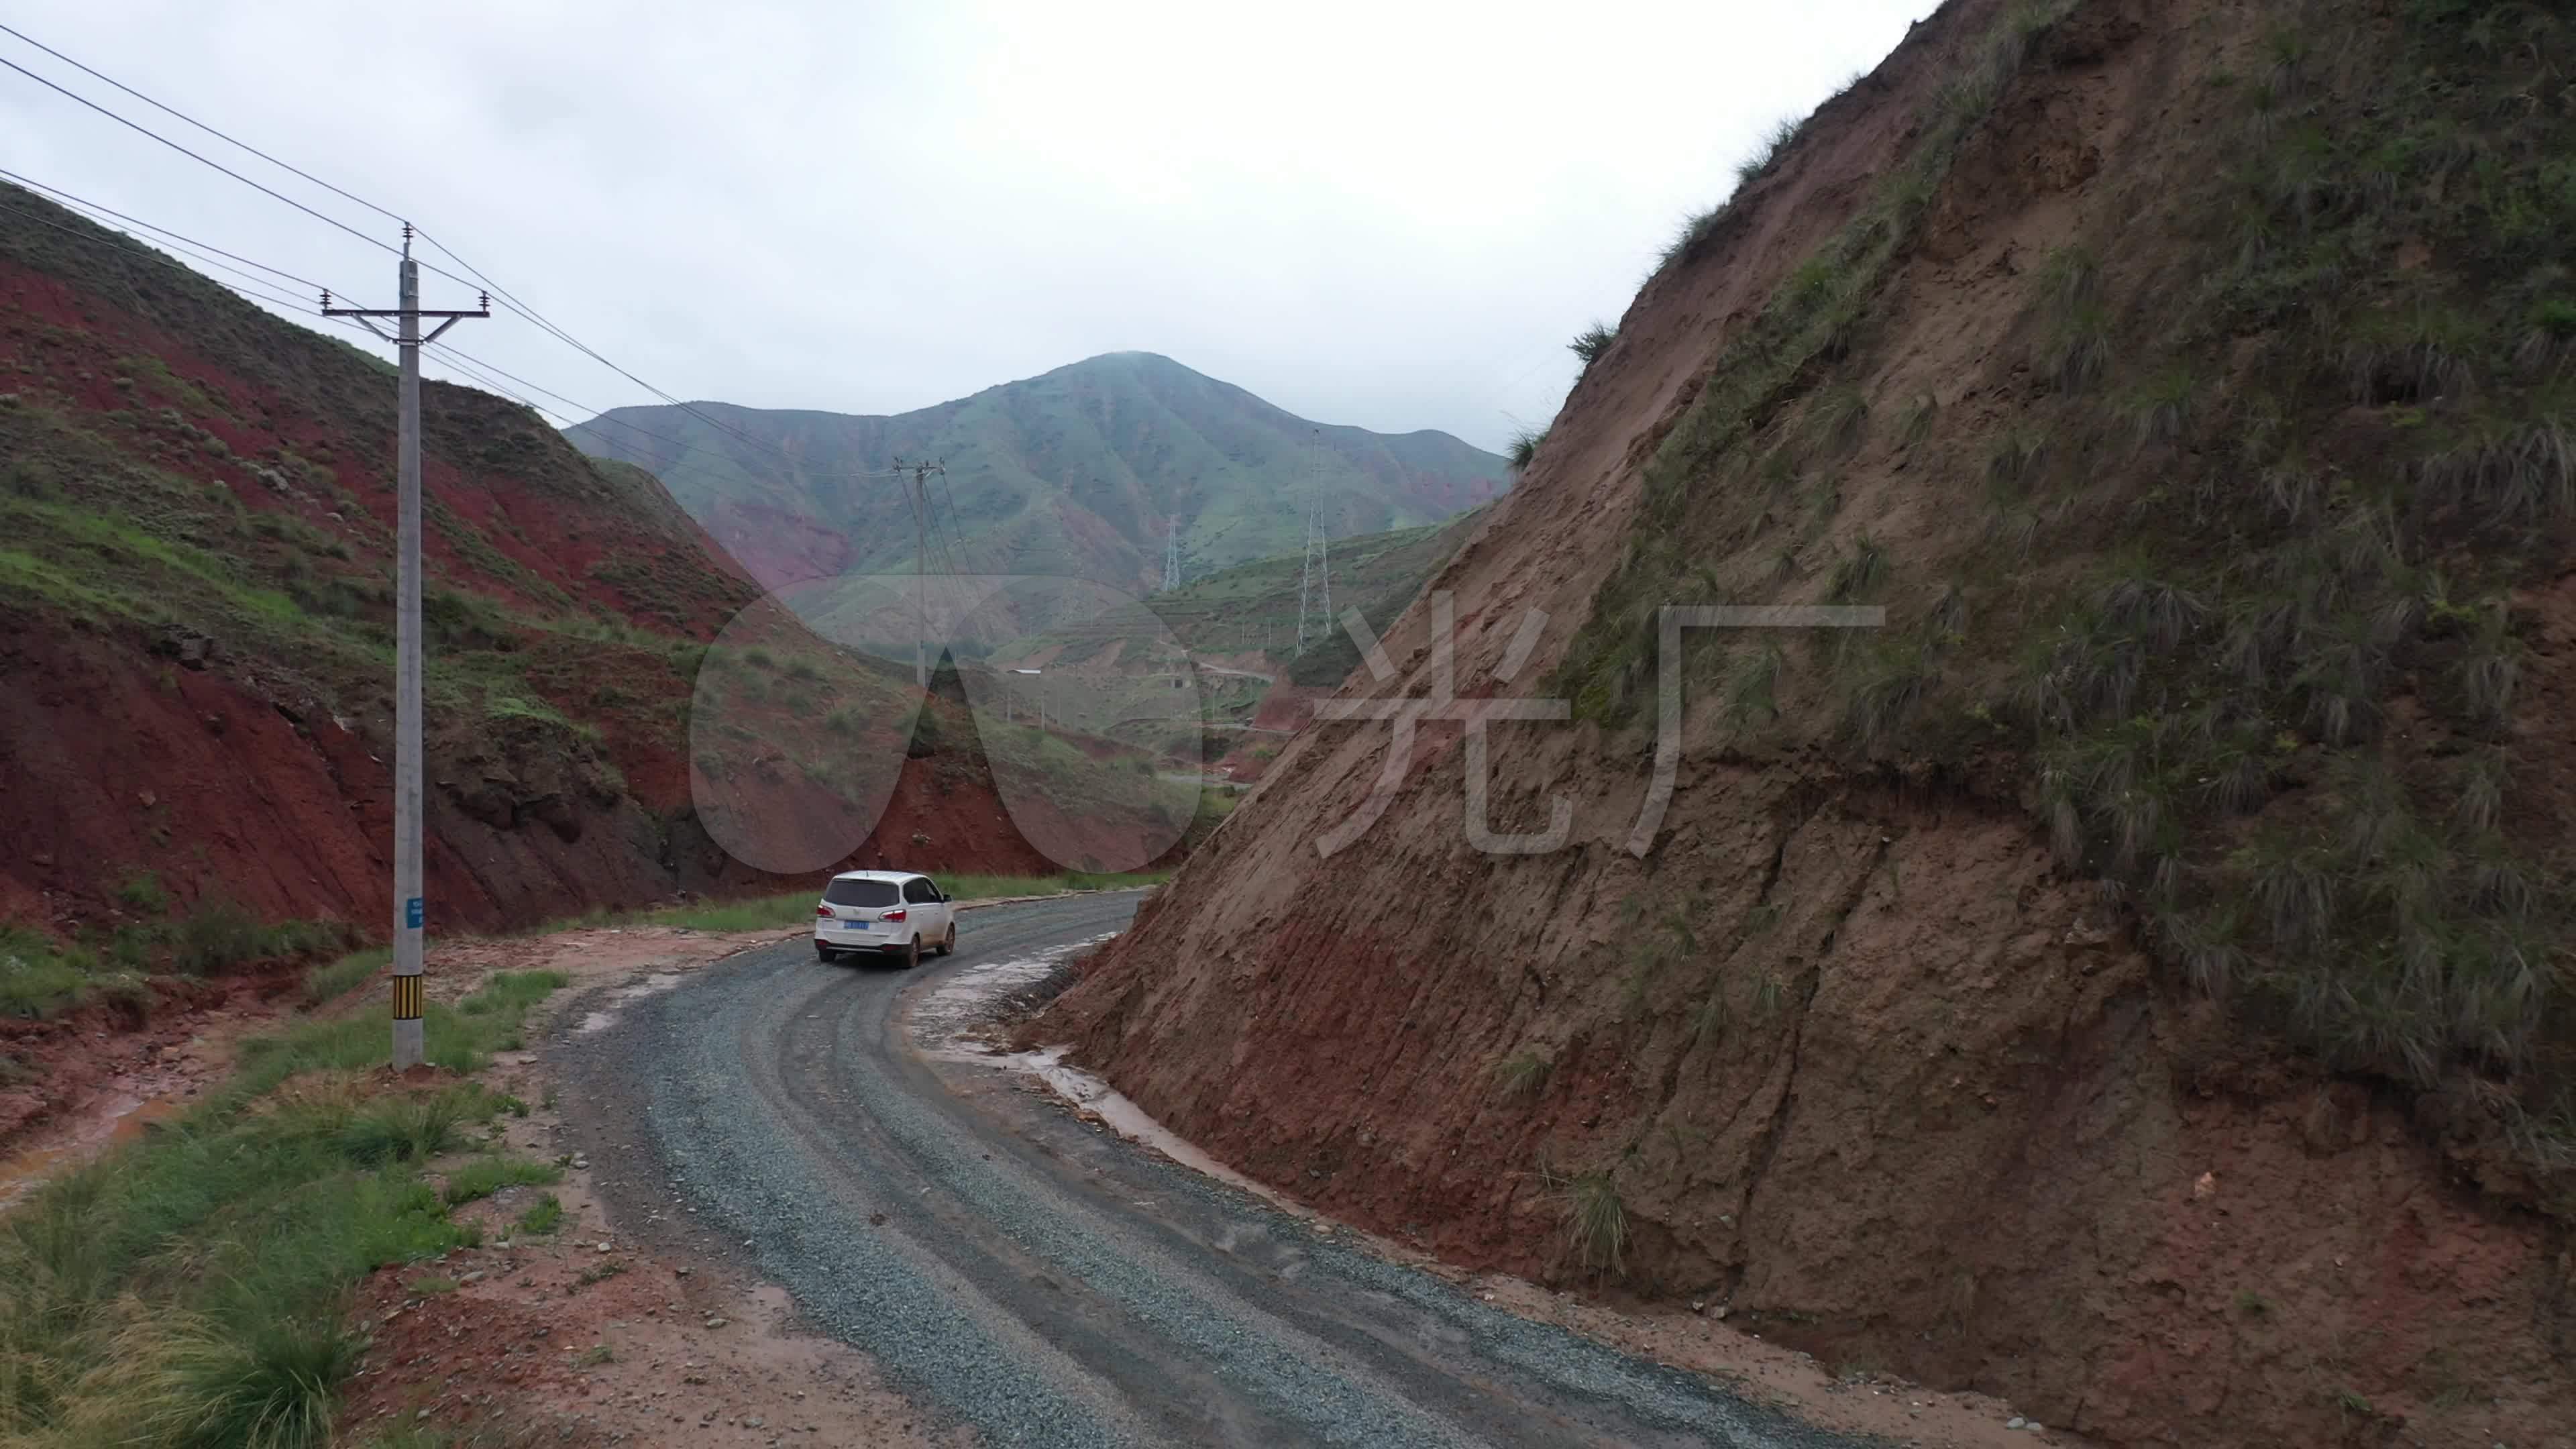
1077	472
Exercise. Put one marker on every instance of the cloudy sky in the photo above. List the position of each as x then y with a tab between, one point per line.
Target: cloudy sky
1377	213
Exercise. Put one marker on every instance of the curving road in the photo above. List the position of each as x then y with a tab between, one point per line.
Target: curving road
1048	1284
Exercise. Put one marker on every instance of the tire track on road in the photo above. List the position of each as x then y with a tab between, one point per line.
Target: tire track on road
1049	1285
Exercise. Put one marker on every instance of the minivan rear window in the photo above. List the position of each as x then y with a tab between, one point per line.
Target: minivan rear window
860	893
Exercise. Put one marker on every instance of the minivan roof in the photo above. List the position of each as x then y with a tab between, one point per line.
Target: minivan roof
876	875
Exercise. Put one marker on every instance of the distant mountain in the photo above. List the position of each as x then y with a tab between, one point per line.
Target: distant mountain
1077	472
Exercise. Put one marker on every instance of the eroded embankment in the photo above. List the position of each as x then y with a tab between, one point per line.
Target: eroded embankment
1849	1050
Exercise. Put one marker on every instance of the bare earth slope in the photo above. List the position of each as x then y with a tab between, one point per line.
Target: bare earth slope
1852	1049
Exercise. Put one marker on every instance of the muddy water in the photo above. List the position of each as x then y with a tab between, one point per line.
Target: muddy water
949	1023
114	1120
950	1015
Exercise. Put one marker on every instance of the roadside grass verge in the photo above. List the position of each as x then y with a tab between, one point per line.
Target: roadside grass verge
191	1287
333	980
778	912
42	976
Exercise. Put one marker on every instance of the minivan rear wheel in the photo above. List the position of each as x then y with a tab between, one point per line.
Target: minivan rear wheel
825	954
912	954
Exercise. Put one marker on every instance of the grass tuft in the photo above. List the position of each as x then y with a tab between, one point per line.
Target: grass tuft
1768	150
1915	423
1596	1220
487	1175
275	1386
141	890
1591	342
1860	572
1523	1076
545	1217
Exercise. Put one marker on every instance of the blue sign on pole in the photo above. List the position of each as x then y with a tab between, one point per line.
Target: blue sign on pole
411	914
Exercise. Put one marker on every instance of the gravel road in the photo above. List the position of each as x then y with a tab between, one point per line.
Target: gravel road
1044	1282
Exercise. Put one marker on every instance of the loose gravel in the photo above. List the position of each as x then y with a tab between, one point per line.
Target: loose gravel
1047	1284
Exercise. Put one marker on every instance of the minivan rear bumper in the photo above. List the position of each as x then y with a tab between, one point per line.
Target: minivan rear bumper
843	941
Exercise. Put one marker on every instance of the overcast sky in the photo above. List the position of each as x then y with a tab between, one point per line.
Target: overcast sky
1375	213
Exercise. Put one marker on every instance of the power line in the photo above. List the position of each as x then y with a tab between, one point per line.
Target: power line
258	289
68	199
268	292
200	125
509	299
206	252
266	295
194	156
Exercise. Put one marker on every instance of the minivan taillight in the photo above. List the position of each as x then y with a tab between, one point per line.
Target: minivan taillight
822	910
894	915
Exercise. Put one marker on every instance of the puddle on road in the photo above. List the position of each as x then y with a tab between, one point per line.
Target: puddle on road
1089	1094
658	982
945	1022
944	1019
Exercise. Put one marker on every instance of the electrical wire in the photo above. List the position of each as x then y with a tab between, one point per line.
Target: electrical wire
194	156
206	253
510	300
200	125
68	199
268	294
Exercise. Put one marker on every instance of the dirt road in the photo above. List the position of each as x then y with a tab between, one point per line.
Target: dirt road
1017	1270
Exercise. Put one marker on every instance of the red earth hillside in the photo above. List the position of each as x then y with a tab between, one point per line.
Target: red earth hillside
195	531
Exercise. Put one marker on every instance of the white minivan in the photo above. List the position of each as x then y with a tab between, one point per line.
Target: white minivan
885	913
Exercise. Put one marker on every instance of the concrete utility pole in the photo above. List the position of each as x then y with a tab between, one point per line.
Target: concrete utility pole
409	915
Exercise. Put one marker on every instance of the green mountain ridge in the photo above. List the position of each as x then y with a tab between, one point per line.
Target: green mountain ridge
1077	472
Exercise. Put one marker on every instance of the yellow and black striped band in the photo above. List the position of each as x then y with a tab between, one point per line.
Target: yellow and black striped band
407	998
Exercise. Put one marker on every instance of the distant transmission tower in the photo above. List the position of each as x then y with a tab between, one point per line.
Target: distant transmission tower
1315	576
1172	555
918	495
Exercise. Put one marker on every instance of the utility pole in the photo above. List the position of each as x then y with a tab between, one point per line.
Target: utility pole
409	915
1172	554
